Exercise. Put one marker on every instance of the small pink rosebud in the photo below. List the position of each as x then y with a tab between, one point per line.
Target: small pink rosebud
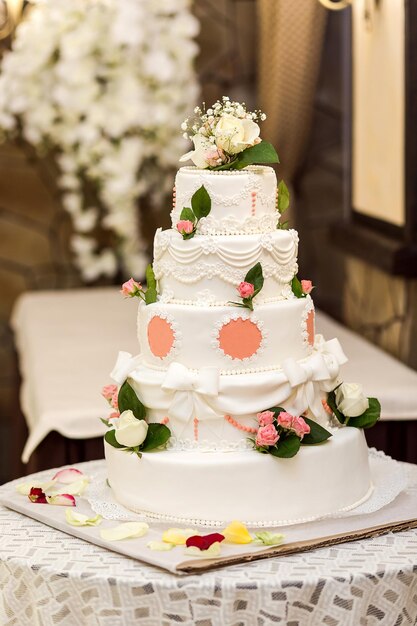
185	227
285	419
130	288
300	427
114	415
306	286
108	392
114	402
246	290
265	418
267	436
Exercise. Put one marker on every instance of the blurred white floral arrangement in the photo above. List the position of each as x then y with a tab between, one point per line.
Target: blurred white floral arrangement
103	86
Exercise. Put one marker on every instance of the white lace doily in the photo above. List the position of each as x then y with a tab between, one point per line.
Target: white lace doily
389	479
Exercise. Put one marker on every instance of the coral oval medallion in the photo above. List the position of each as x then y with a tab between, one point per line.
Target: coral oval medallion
240	338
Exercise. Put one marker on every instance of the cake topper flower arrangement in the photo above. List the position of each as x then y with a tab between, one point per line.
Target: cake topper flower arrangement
226	137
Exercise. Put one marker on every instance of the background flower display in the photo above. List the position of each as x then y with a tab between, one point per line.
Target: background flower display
102	87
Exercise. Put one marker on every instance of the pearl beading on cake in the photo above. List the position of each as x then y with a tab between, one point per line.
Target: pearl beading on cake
309	306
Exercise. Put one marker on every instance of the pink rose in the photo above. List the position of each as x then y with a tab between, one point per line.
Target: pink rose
214	157
185	227
306	286
267	436
108	392
300	427
114	402
285	420
265	418
246	290
130	288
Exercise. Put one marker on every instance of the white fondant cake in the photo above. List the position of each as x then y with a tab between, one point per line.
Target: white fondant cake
207	367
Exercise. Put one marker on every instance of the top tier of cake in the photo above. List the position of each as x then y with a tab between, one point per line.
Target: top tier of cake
242	202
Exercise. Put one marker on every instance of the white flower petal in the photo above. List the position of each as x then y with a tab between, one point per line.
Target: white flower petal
128	530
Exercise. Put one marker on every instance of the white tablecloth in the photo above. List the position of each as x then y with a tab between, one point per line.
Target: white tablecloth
50	578
68	342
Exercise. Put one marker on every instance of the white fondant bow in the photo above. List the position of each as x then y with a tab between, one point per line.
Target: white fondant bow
125	364
192	392
314	375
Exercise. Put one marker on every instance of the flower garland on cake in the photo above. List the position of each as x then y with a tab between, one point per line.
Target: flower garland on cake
102	87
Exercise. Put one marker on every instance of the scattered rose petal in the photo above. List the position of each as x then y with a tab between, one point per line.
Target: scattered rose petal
128	530
24	488
61	499
79	519
68	476
177	536
37	496
269	539
203	542
160	546
76	488
236	532
211	552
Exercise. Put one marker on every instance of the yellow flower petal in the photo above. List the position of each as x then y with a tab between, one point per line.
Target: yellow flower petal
212	552
128	530
178	536
160	546
79	519
236	532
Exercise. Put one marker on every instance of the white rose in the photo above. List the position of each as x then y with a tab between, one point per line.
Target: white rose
350	399
130	432
234	135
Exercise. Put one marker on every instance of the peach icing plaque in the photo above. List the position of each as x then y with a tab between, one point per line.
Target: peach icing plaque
240	338
160	336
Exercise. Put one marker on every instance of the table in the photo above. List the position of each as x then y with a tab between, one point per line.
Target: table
51	578
68	342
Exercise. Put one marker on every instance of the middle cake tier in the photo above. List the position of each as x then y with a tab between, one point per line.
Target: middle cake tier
208	268
226	337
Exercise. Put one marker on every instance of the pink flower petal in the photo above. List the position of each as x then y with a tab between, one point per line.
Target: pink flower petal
61	499
67	476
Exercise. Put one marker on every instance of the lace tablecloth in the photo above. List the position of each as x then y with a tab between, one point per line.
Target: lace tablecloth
51	578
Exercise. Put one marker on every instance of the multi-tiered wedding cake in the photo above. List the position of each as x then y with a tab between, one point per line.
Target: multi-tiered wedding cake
225	413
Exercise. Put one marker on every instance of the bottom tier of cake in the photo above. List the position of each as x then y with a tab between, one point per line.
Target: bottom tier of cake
258	489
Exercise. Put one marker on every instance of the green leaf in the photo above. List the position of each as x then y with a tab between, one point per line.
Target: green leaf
158	435
150	277
187	214
369	418
255	277
297	288
151	296
128	400
262	152
247	302
105	422
317	433
331	401
111	439
151	292
283	197
283	225
286	448
201	203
